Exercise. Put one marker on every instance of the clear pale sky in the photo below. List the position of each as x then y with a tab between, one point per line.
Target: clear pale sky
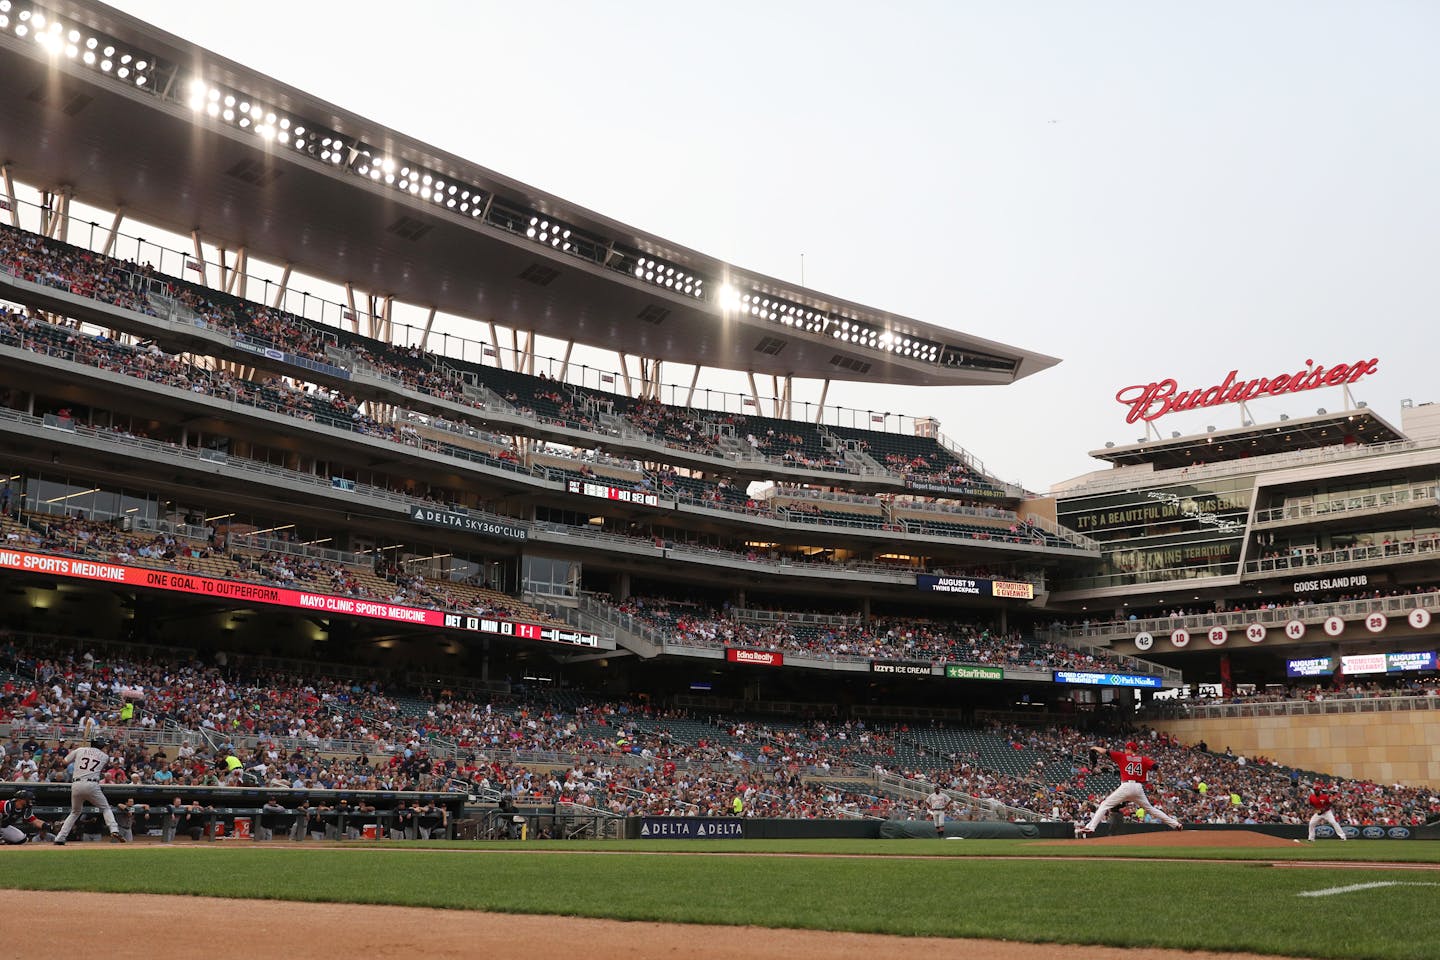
1143	189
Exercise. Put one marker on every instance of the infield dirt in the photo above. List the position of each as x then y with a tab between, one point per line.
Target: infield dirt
148	927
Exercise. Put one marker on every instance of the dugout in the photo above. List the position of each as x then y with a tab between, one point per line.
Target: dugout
296	814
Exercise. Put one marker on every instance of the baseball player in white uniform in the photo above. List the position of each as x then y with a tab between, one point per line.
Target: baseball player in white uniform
88	766
937	803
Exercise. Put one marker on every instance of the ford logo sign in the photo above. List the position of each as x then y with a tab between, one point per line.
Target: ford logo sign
1399	833
1352	831
1373	833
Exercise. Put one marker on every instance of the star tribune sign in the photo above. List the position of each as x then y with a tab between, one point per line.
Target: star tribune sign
1151	401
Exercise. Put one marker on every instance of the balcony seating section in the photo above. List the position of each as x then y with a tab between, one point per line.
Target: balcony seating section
922	457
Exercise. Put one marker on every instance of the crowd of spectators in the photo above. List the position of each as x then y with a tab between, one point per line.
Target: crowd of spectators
138	287
314	403
306	731
881	638
1191	782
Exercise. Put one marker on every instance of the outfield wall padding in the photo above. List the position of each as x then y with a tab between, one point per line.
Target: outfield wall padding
968	830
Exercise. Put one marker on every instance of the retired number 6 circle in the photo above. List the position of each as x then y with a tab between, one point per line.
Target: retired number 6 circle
1334	626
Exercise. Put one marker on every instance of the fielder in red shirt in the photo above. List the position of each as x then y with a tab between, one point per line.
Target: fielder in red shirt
1323	803
1134	769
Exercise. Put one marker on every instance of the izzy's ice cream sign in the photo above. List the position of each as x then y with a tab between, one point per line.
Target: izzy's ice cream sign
1151	401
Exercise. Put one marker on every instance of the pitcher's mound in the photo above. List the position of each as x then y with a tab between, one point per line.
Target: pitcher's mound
1184	838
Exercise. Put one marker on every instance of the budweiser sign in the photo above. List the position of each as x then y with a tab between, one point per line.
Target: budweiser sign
764	658
1151	401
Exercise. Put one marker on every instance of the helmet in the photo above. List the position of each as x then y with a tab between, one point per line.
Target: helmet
25	795
100	743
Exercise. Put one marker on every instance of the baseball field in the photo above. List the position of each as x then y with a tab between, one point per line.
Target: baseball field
1234	892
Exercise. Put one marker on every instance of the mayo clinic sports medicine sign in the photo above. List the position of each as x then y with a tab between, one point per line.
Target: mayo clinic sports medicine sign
1151	401
189	583
975	587
1106	679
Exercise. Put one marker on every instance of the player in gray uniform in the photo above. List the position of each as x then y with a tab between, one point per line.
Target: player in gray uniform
89	764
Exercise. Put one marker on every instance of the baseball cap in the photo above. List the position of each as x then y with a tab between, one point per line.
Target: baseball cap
1132	746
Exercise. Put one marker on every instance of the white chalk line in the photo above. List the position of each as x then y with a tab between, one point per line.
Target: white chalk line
1356	887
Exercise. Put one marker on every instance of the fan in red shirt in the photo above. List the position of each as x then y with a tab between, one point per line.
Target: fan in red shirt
1134	769
1323	803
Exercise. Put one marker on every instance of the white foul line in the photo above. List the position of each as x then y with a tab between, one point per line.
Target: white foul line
1354	887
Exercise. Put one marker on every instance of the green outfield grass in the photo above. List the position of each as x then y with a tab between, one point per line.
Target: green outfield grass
1188	905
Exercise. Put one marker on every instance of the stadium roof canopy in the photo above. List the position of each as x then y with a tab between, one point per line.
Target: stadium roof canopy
1361	425
182	138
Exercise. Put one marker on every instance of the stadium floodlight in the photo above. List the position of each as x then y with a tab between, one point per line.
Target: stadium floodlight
729	298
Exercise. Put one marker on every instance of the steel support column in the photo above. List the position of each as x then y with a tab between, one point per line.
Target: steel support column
108	249
10	196
694	379
429	322
820	407
200	257
625	374
281	290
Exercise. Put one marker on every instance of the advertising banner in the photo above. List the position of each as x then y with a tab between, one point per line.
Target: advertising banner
1343	582
1361	663
1106	679
691	828
484	526
1311	667
190	583
1420	660
963	671
975	587
898	667
763	658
